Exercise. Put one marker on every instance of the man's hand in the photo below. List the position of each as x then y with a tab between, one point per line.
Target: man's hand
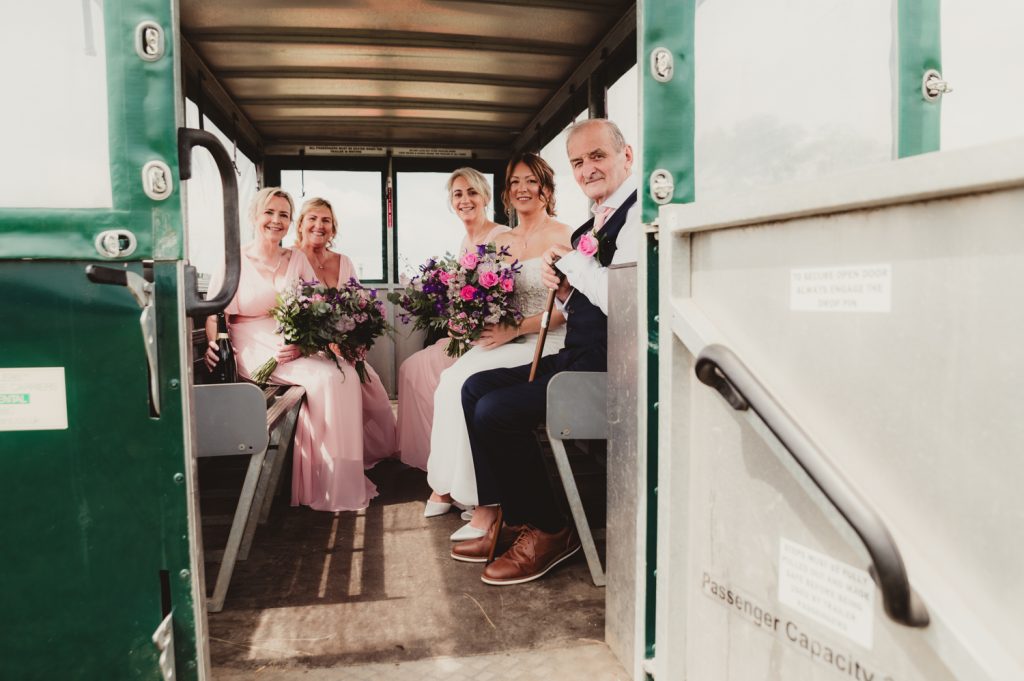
554	279
494	335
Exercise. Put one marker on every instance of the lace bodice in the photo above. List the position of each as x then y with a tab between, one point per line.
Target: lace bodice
533	295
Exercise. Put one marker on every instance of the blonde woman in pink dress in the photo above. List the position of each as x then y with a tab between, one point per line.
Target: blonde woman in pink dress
317	227
327	472
469	195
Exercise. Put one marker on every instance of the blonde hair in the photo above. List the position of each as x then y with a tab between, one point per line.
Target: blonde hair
474	179
312	204
263	197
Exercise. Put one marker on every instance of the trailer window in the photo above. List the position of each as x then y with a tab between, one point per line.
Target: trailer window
986	103
54	78
356	198
424	222
817	99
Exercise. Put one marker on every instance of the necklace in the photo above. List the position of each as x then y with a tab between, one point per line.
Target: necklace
320	264
266	266
526	236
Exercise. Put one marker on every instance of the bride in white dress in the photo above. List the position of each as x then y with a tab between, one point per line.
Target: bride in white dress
529	190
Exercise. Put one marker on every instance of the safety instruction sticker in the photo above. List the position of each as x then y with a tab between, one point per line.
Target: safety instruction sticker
33	399
856	288
832	593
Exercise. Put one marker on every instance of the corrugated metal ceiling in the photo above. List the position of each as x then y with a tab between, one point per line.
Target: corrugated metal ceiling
423	73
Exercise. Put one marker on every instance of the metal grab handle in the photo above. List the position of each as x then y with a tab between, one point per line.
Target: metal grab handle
720	368
194	305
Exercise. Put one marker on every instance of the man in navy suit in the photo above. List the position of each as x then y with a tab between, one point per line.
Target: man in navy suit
503	408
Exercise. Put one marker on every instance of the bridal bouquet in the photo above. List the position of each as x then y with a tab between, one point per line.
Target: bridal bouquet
481	291
303	314
358	321
340	322
425	297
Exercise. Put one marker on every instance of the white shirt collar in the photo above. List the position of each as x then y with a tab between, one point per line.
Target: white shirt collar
618	197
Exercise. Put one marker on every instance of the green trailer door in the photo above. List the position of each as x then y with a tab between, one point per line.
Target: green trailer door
99	546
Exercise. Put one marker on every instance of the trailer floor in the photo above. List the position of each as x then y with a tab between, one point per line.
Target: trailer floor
375	595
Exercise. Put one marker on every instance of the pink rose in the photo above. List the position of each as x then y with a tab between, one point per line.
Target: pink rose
489	279
445	277
467	292
587	245
507	285
469	260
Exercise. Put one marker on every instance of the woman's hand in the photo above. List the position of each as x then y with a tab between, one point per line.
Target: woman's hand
211	357
494	335
287	353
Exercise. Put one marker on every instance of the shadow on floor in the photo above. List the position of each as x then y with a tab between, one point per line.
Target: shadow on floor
322	589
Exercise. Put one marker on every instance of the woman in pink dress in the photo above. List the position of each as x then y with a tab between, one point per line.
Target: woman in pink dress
317	227
327	474
418	376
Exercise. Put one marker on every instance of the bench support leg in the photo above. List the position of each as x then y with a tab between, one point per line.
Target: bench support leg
285	435
579	517
227	564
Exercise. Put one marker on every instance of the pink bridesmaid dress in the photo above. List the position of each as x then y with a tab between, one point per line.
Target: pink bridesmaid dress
330	450
418	377
380	438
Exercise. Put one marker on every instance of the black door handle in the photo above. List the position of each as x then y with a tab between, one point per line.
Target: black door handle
194	305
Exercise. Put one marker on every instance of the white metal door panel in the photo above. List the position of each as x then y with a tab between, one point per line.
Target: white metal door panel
882	310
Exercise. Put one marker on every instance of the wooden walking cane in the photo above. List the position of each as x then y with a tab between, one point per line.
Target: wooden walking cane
544	319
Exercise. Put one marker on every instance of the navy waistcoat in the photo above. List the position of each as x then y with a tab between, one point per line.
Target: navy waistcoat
586	325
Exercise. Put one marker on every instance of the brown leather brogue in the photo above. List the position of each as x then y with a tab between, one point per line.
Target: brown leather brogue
531	555
484	549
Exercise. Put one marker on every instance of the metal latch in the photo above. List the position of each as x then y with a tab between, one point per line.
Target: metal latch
142	291
932	85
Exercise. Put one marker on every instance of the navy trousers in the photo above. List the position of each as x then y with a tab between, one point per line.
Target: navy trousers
502	412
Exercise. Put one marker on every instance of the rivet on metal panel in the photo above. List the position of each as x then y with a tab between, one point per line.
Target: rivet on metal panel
179	478
156	180
174	383
662	186
932	85
662	64
241	446
184	574
149	41
565	432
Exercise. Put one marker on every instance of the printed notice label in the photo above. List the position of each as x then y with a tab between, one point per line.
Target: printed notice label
857	288
832	593
33	399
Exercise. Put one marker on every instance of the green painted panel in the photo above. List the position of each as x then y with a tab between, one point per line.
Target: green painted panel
919	37
142	128
668	125
94	511
668	107
98	512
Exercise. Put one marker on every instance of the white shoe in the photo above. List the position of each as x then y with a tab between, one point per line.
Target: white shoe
467	532
467	515
436	508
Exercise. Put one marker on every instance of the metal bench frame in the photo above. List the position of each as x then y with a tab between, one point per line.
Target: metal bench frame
578	410
230	422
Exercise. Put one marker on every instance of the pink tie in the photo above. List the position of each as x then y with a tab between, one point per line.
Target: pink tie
601	214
